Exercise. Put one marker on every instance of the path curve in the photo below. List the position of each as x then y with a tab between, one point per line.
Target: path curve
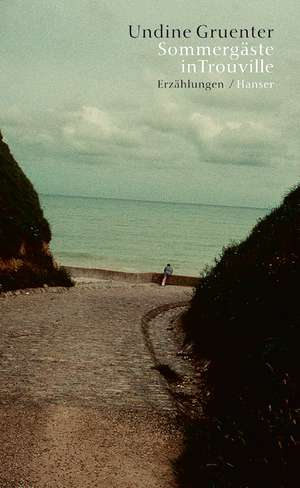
178	372
80	402
150	316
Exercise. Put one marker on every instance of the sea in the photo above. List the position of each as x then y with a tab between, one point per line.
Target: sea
143	236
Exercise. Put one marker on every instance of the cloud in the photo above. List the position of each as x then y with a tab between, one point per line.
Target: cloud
169	134
88	128
95	131
216	137
251	142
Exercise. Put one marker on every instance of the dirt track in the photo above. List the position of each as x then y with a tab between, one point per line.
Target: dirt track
81	404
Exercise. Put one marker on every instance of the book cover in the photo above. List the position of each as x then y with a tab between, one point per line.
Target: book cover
149	243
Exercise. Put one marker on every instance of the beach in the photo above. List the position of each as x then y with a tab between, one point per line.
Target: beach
82	403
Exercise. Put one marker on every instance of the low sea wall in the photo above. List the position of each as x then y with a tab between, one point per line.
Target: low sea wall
107	274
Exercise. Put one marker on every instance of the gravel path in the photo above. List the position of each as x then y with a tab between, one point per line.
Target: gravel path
81	403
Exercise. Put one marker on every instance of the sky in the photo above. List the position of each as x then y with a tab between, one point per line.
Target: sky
81	111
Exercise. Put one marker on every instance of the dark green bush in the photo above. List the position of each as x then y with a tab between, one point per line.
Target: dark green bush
245	318
21	217
22	223
29	276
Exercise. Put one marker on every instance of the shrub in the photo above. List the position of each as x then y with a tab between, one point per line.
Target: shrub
245	318
24	232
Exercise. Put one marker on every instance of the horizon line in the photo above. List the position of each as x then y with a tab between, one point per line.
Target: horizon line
152	201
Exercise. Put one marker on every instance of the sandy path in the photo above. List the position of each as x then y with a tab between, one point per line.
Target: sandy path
81	404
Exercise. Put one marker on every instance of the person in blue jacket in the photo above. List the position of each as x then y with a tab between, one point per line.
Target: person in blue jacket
168	271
